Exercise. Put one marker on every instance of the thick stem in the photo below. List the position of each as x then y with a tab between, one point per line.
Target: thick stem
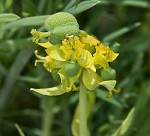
47	117
83	109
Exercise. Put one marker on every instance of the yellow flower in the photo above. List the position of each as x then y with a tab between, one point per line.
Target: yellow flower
89	40
85	59
103	55
76	58
66	48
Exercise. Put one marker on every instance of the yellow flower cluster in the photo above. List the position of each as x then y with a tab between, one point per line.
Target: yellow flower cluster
77	57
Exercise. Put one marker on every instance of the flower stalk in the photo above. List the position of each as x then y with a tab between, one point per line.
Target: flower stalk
47	117
83	109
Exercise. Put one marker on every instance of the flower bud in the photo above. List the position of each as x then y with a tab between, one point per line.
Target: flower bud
108	74
72	68
62	24
61	31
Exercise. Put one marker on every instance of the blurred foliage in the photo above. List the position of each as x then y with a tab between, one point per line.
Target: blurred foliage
124	25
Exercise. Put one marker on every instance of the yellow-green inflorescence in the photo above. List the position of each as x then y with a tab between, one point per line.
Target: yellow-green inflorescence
77	56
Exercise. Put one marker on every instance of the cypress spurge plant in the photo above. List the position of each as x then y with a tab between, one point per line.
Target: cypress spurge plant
78	60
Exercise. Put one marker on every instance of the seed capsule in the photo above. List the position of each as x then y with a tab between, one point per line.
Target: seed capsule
108	74
72	68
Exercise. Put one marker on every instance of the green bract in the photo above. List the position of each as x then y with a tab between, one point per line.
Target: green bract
108	74
72	69
55	75
62	24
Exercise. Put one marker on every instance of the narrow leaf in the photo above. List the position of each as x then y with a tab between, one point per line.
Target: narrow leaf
137	3
133	3
8	17
29	21
120	32
85	5
125	124
70	4
19	130
15	70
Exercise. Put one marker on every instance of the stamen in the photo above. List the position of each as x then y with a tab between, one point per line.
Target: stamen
38	56
116	90
36	61
109	94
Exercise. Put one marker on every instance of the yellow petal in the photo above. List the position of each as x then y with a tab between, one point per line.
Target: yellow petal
46	44
78	44
66	50
111	56
78	52
85	59
51	63
100	60
106	52
90	40
55	53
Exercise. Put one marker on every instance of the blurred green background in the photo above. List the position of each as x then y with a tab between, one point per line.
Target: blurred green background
124	25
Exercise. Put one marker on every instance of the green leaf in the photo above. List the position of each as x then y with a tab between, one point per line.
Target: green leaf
15	70
58	90
8	3
8	17
30	79
29	21
141	122
136	3
120	32
15	44
133	44
125	124
70	4
85	5
133	3
19	130
3	70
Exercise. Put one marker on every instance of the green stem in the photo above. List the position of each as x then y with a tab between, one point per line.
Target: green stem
83	109
45	34
47	116
37	35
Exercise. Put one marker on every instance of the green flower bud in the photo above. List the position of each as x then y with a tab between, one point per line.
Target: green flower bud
72	69
62	24
61	31
60	19
108	74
